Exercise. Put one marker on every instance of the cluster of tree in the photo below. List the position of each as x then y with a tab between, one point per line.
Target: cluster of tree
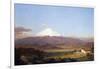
27	52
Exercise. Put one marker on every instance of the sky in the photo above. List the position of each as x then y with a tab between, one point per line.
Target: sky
65	20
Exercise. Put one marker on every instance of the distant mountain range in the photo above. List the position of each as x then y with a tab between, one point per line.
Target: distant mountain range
53	42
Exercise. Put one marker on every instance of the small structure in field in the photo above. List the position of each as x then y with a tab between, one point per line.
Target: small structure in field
81	51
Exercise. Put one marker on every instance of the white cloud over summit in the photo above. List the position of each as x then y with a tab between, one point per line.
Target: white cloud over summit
48	32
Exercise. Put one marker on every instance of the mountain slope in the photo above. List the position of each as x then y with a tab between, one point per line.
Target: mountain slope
52	42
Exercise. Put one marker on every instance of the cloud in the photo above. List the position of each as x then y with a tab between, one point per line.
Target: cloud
22	32
22	29
48	32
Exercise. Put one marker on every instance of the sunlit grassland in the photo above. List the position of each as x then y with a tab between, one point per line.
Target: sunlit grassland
71	55
65	54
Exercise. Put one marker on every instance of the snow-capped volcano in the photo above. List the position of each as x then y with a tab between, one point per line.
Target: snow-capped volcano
48	32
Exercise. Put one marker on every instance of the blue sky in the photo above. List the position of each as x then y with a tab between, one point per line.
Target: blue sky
68	21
